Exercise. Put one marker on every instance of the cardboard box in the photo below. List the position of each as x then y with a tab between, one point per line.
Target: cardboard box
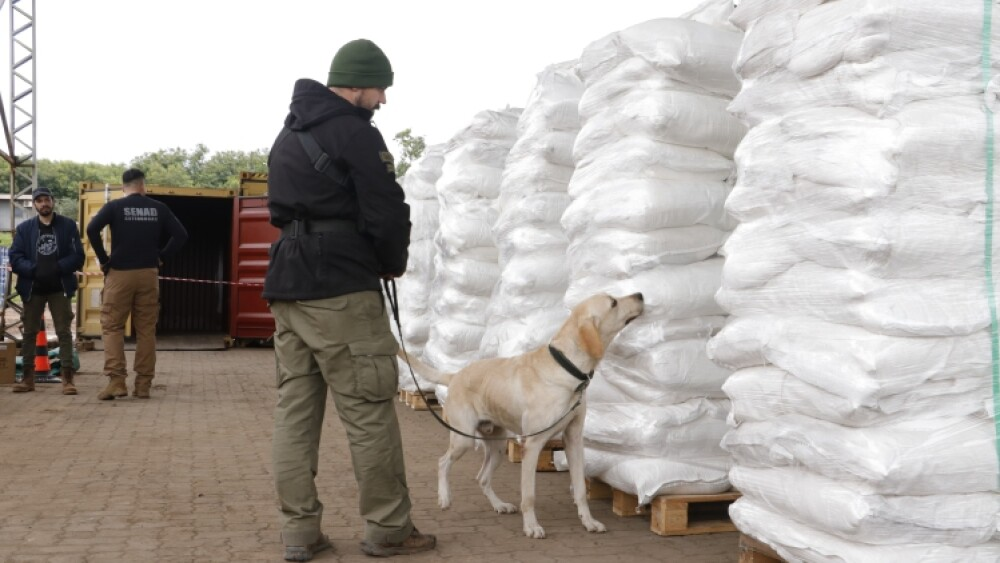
8	359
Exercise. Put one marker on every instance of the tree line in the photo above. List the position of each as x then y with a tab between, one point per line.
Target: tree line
179	167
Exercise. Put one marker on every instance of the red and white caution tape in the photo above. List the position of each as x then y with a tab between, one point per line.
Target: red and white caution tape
217	282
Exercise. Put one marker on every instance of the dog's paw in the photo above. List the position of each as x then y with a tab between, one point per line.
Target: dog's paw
534	531
593	525
505	508
444	502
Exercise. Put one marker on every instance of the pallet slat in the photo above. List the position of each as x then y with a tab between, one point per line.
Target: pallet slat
622	503
597	490
671	515
674	515
417	402
546	460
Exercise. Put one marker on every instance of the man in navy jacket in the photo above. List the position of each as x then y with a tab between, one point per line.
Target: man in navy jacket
45	256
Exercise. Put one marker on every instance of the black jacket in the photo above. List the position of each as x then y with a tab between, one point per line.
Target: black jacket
23	254
139	224
316	265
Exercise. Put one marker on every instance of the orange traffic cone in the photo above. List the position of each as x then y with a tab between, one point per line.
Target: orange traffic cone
42	367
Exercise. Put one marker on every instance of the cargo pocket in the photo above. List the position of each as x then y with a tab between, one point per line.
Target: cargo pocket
376	372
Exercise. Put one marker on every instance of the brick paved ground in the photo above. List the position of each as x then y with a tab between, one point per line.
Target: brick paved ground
185	476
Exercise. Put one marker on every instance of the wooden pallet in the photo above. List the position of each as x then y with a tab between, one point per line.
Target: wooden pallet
756	551
681	515
415	401
546	460
671	515
622	503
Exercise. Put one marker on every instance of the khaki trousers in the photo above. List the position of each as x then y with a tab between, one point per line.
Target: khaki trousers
62	319
135	292
344	344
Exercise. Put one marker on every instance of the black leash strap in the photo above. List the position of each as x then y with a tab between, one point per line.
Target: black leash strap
390	293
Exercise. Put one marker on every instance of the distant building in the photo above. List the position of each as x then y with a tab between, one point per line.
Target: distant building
22	210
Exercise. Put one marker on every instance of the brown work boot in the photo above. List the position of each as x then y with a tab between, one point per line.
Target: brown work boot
27	382
306	552
416	543
142	385
67	381
116	388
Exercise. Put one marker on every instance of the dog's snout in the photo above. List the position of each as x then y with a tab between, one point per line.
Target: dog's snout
638	295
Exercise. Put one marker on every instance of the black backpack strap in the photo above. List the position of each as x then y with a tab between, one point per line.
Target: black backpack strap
320	160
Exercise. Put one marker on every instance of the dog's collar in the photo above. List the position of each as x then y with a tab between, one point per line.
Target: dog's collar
567	365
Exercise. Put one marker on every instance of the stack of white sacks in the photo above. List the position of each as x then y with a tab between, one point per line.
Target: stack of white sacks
465	265
527	304
414	288
863	398
653	169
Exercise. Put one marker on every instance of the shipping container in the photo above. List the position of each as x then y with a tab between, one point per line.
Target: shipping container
249	317
212	287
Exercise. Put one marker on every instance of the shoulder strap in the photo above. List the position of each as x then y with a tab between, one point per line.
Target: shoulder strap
320	160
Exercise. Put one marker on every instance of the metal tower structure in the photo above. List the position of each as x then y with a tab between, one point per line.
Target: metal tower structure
18	127
19	120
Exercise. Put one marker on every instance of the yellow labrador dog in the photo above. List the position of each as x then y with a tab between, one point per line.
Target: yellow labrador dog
525	394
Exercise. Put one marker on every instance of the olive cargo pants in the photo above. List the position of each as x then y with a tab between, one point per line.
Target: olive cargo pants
343	343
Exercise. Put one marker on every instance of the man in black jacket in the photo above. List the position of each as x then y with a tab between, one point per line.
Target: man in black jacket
144	233
45	255
343	228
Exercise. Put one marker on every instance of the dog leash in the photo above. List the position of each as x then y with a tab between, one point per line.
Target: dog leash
391	295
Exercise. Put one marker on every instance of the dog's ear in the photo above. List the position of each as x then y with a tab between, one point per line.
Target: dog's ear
590	339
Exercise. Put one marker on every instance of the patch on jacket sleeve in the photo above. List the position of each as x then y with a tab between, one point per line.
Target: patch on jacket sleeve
386	157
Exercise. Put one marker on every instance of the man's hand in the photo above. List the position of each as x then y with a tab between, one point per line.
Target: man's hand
105	268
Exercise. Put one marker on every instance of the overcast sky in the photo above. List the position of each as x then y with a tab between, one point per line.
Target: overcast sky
119	78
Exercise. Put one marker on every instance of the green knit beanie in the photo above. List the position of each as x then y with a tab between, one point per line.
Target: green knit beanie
360	64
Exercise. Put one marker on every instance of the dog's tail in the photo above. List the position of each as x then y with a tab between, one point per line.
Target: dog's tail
423	370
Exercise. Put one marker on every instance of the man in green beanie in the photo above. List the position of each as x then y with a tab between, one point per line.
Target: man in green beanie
344	227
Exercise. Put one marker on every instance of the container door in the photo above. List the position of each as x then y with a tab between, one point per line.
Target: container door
194	296
250	317
88	306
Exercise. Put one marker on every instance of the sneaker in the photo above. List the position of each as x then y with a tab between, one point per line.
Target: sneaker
306	552
416	543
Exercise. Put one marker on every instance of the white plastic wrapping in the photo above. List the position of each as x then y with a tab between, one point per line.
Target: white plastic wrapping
526	306
923	456
862	402
684	50
804	543
653	170
866	370
466	261
854	510
713	12
684	430
414	288
874	55
648	477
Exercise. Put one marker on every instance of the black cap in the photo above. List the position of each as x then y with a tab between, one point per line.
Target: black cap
39	192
